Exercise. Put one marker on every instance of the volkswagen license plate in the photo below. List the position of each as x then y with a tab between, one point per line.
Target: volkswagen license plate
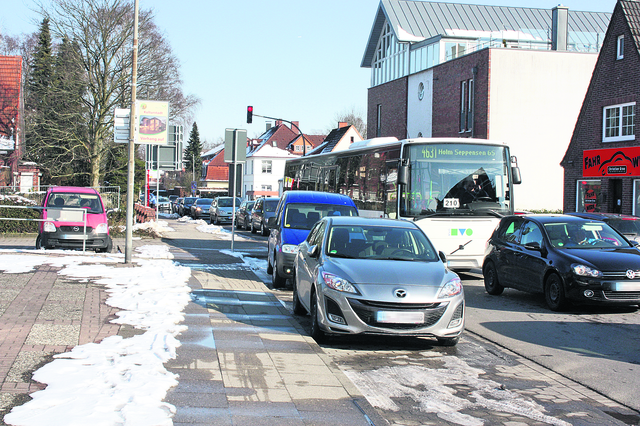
400	317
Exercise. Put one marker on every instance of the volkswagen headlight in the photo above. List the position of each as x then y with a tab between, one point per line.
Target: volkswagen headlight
337	283
450	289
586	271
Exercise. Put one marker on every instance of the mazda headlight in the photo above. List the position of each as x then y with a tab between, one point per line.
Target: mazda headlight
289	248
586	271
337	283
450	289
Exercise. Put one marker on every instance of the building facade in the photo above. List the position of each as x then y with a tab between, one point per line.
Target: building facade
516	75
602	163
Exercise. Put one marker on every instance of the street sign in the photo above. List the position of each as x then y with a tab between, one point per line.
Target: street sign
167	157
121	125
235	145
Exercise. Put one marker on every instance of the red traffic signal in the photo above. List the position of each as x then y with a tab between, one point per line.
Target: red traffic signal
249	114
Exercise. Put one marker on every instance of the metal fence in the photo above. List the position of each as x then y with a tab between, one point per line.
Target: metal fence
110	194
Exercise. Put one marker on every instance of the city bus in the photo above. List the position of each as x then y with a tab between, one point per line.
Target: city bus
455	189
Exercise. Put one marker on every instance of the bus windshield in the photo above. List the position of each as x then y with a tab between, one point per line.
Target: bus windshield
456	179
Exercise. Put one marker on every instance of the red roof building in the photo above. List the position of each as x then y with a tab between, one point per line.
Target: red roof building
11	120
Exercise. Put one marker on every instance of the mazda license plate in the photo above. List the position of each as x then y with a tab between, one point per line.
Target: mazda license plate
400	317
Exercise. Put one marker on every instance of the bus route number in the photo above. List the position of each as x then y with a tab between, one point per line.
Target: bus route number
451	203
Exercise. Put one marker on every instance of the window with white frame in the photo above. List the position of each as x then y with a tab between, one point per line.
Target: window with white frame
620	53
266	187
266	167
618	122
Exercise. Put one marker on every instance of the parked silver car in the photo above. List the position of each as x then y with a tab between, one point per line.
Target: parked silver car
200	209
376	276
222	209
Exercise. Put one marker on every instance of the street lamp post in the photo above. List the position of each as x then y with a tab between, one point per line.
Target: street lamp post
128	247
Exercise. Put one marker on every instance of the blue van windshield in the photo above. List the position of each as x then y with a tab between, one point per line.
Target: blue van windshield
305	215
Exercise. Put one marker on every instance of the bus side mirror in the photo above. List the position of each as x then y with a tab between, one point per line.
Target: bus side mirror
515	175
403	173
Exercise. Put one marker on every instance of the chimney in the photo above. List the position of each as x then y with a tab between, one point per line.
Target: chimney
278	122
295	126
268	125
559	27
342	124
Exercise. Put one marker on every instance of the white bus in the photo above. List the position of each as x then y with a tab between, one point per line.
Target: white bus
455	189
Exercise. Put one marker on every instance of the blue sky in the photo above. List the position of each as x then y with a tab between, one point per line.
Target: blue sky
293	59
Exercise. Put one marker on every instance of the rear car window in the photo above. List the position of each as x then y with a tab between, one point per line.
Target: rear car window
305	215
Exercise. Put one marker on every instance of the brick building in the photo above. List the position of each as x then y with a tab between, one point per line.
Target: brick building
510	74
601	164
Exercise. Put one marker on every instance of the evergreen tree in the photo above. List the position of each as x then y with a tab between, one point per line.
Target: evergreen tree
37	102
193	159
41	72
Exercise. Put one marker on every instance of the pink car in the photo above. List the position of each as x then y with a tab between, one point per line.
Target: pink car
64	210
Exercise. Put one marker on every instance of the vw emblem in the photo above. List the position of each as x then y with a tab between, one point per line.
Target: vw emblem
77	228
400	293
631	274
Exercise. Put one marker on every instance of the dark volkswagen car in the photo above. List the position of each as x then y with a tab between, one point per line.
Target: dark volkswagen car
565	257
627	225
263	209
243	215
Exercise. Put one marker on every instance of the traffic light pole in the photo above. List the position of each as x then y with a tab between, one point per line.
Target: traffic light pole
304	142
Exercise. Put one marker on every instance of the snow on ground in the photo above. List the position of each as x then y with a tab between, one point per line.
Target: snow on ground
437	390
220	232
117	381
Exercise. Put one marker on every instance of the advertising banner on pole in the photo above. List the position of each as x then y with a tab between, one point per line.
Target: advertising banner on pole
153	122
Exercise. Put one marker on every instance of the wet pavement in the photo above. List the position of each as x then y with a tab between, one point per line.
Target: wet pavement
246	360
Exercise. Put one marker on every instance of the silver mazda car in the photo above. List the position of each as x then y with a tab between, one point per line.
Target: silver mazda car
376	276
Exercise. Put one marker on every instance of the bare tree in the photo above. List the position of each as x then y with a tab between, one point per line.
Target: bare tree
353	117
103	32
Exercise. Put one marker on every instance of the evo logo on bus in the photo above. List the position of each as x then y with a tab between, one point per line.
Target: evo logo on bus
461	232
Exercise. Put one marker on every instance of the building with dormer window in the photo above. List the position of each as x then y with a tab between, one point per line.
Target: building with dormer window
602	162
513	74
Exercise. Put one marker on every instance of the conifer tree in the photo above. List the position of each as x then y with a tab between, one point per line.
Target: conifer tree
193	163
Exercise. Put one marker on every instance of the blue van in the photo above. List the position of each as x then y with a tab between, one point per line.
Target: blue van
296	214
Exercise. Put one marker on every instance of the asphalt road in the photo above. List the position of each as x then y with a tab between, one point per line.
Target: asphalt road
598	348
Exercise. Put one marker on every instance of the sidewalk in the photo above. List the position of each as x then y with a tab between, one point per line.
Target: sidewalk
244	359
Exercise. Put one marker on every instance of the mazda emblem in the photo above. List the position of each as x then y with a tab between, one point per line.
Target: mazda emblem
76	229
400	293
631	274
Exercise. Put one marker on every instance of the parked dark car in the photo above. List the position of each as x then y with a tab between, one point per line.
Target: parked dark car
200	209
627	225
176	204
296	214
222	209
243	215
567	258
173	199
185	208
359	275
263	209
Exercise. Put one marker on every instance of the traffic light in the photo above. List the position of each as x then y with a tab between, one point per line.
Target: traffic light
249	114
